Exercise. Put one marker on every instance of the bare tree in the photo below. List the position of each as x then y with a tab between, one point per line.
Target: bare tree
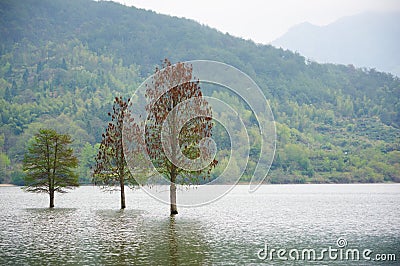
111	170
177	122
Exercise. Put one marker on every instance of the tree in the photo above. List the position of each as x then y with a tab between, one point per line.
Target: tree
8	95
173	134
4	163
4	160
64	64
25	77
87	160
49	164
110	168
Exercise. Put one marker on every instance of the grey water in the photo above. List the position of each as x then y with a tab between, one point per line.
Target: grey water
87	227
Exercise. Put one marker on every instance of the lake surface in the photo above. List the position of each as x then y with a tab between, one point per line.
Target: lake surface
87	227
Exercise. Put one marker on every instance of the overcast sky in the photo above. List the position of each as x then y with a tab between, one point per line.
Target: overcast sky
262	20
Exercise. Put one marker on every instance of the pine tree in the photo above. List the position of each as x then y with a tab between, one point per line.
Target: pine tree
48	164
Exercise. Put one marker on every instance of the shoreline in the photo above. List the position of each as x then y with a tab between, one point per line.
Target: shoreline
244	184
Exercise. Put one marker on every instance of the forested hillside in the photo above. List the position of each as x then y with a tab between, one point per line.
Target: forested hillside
63	62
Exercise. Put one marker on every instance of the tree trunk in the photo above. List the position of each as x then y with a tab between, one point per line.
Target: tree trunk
123	206
172	194
173	173
51	198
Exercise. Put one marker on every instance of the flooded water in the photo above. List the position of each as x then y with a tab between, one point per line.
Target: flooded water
87	227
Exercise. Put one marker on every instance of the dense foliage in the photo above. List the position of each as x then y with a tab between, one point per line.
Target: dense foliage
49	164
62	63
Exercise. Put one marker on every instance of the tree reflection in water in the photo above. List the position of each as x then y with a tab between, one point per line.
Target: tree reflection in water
132	237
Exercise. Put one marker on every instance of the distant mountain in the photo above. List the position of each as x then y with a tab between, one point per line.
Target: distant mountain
366	40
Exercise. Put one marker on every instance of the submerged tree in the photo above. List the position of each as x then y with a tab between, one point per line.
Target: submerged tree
179	119
49	164
111	170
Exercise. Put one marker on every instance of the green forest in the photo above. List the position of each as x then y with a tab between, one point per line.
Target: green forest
63	62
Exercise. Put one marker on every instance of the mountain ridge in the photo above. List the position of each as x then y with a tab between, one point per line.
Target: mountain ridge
365	40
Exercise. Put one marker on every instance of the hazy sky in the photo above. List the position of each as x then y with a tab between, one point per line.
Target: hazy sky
262	20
